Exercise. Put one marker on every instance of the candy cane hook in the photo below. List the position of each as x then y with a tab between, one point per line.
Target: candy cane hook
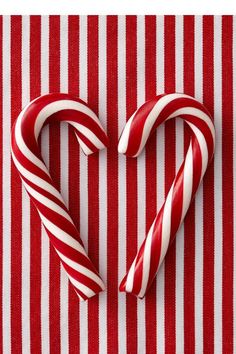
39	185
133	139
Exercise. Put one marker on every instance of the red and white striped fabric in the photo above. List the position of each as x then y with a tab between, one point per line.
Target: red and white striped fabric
115	64
38	183
138	129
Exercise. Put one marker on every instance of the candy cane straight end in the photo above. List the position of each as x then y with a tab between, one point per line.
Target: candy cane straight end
91	295
48	201
167	222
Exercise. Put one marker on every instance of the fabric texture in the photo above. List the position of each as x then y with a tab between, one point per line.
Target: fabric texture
115	64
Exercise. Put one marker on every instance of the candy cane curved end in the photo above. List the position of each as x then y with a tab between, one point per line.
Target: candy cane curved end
167	222
34	174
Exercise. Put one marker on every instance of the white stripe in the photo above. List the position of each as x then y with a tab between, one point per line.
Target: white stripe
88	292
81	269
218	187
166	225
141	176
187	181
62	235
122	183
25	200
179	291
124	138
37	180
130	278
203	147
234	171
146	261
64	180
102	184
83	176
47	202
89	134
160	297
160	60
6	196
45	341
198	288
60	105
196	113
44	55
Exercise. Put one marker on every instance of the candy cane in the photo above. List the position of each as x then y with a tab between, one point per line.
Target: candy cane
39	185
133	139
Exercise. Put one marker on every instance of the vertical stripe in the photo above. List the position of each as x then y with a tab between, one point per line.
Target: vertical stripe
150	174
227	180
35	222
112	186
189	222
102	114
178	161
93	182
1	176
131	178
64	177
16	190
198	295
121	99
54	168
45	341
73	173
6	200
141	175
160	156
170	260
83	89
218	186
208	197
234	170
25	199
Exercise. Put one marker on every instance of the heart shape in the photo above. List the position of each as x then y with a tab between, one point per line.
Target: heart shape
91	137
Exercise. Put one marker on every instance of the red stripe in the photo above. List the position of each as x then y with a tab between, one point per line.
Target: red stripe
16	192
35	222
151	173
189	223
227	182
93	184
170	274
74	163
54	162
208	197
1	177
112	186
131	178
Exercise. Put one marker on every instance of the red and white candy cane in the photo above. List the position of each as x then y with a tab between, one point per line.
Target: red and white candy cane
38	183
133	139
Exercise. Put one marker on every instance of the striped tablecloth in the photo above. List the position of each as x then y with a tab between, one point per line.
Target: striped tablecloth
115	64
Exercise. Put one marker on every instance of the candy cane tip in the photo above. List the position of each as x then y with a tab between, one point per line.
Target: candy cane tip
84	299
122	287
121	149
122	145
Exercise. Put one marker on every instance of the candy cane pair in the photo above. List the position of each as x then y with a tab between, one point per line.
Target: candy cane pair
91	136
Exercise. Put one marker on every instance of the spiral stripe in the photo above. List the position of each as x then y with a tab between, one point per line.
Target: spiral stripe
200	151
34	174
